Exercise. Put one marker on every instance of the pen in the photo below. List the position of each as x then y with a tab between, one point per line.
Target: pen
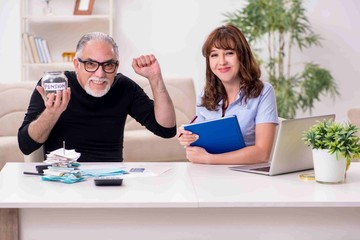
34	173
192	120
64	147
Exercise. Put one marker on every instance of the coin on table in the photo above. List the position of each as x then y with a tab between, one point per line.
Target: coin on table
307	176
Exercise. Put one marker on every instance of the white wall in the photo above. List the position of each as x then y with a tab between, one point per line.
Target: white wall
10	38
175	30
337	22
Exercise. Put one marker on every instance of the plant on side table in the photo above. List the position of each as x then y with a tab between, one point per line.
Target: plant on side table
333	145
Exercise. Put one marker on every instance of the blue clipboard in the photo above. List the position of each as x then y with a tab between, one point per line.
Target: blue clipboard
218	135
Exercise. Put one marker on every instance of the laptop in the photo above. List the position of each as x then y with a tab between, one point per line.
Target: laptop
290	153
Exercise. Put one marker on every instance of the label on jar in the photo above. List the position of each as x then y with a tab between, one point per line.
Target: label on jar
54	86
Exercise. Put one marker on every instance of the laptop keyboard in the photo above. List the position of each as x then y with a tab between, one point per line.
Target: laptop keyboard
262	169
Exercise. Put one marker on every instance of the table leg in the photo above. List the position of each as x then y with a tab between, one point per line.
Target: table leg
9	224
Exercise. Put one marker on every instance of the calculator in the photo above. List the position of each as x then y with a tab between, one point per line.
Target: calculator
108	181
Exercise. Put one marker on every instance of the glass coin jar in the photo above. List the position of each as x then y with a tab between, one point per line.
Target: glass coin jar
54	81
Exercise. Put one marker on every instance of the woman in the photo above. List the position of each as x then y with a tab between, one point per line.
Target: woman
233	87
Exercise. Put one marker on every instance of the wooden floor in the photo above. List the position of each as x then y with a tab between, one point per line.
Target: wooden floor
9	226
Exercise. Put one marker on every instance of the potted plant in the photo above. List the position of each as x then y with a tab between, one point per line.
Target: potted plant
275	29
333	145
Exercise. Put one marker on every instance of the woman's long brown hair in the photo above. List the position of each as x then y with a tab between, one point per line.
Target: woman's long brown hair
229	37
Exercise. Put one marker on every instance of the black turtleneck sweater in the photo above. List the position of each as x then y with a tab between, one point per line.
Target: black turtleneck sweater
94	126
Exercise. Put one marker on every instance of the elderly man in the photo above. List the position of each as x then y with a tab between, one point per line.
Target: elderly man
90	114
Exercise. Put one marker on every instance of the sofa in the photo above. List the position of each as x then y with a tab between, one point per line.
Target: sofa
139	144
14	99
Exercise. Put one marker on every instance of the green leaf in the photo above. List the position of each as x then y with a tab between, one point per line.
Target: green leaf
338	138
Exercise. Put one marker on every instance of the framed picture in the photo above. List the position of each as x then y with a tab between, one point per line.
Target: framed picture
83	7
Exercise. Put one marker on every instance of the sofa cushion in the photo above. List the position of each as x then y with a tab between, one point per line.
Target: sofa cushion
9	150
16	97
144	146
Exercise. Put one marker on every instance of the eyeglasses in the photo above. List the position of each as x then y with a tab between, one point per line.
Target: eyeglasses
93	66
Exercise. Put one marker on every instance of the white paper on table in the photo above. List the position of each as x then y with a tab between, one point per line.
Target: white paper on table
70	154
150	171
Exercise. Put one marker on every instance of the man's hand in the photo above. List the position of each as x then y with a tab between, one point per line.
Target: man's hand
55	103
147	66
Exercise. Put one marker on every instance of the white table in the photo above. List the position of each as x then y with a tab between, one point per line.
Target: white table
187	202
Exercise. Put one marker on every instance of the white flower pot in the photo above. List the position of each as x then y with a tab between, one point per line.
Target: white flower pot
327	168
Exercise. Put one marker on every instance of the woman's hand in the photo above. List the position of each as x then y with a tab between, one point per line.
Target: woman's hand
198	155
186	137
193	154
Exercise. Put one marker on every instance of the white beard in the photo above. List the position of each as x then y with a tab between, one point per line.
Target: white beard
97	93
